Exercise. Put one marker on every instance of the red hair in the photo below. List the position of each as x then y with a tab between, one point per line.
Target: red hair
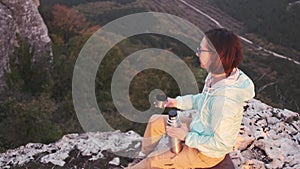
227	45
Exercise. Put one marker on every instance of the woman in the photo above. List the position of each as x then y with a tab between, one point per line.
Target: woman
212	132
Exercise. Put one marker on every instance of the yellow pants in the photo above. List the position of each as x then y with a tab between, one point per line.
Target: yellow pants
164	158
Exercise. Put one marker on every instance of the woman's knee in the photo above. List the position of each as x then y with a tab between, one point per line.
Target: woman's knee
158	122
158	118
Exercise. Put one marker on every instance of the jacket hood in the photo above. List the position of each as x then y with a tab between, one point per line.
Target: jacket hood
238	86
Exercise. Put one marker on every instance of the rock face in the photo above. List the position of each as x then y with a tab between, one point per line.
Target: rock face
22	17
88	150
269	138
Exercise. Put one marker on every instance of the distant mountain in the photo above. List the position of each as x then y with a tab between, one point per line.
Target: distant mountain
269	138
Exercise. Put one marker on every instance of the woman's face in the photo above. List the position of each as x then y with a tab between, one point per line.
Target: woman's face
204	54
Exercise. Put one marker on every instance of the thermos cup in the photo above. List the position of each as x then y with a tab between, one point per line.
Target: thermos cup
160	101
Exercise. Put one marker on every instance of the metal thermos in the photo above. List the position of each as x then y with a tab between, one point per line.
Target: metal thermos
173	121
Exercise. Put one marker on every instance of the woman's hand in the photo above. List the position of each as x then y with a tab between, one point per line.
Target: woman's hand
179	132
171	102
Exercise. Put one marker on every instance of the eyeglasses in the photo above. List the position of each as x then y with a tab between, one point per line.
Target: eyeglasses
198	51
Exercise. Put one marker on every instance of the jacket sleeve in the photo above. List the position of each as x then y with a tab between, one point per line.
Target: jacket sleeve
188	102
225	122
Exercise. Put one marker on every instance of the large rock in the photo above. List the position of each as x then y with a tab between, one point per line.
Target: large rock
22	17
88	150
269	138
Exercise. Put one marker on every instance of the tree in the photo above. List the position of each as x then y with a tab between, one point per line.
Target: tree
26	118
26	75
68	22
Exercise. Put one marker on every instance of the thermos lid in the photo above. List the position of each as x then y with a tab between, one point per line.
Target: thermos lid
172	113
161	97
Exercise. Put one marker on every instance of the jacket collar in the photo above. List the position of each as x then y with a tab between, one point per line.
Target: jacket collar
230	80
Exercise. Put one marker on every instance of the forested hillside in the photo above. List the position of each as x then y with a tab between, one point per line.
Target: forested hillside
37	105
38	99
277	21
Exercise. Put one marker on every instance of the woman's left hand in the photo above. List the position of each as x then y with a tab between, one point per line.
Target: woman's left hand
179	132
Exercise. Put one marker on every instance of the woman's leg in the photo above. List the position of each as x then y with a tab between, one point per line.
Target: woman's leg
155	129
187	158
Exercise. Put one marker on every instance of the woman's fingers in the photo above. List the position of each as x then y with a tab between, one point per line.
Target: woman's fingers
179	133
168	103
170	130
185	127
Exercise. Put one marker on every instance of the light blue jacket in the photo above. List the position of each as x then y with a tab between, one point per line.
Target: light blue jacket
215	127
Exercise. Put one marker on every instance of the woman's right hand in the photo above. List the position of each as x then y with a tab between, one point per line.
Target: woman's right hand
171	102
